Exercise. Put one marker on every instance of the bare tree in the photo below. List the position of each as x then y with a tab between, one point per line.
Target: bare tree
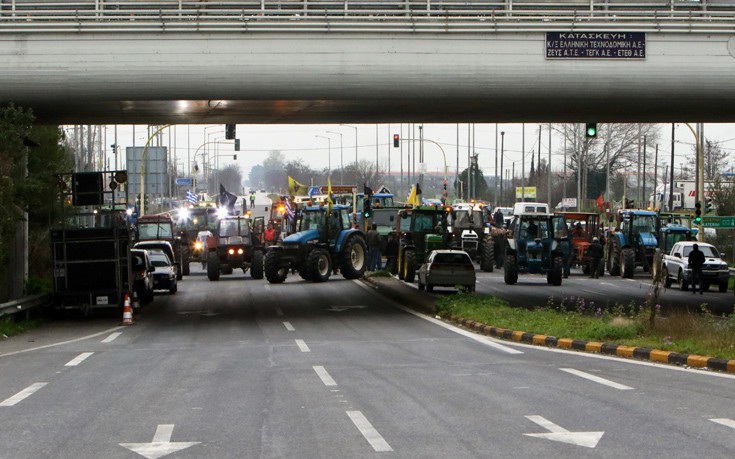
715	160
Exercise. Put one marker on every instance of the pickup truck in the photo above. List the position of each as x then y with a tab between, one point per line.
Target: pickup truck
675	266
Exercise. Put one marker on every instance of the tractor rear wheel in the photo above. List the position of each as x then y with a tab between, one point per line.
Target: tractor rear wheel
409	266
256	268
319	265
487	259
273	272
212	266
627	263
510	268
353	258
613	256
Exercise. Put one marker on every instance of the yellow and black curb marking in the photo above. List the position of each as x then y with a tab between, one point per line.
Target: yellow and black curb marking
642	353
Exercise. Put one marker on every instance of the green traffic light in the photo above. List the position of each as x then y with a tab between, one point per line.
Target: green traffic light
591	132
697	220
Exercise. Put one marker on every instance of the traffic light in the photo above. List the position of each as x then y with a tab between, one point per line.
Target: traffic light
367	210
237	145
396	140
590	130
230	131
708	206
697	213
234	157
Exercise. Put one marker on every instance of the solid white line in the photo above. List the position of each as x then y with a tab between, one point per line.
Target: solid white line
112	337
78	359
288	326
546	424
324	376
597	379
368	431
163	433
725	422
27	392
279	311
302	345
75	340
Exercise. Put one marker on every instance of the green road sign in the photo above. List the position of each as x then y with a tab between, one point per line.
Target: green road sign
718	222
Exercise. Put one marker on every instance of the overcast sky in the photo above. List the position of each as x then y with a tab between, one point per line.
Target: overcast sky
307	142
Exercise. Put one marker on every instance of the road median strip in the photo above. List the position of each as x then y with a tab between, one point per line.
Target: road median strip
639	353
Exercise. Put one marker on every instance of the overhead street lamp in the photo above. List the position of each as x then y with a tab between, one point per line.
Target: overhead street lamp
329	158
341	158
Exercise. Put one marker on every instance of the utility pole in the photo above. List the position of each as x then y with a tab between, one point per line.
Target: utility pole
502	151
671	176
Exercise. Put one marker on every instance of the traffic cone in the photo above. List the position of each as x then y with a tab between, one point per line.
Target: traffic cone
127	312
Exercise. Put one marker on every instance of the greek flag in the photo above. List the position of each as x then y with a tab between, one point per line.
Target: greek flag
191	198
289	209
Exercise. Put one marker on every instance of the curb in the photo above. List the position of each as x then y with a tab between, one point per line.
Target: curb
424	302
641	353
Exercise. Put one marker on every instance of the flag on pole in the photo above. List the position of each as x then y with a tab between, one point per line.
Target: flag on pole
296	189
329	195
413	198
289	209
191	198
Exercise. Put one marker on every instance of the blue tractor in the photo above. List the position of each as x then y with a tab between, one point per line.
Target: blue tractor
633	242
537	244
324	241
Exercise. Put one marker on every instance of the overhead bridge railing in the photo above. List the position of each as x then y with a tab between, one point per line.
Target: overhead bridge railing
408	16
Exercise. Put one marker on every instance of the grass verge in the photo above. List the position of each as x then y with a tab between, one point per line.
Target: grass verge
9	327
630	325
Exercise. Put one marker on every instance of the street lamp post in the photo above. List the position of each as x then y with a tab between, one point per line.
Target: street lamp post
341	158
502	147
329	158
355	128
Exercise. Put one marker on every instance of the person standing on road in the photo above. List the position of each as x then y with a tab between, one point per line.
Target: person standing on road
373	242
595	252
202	237
498	218
252	199
696	263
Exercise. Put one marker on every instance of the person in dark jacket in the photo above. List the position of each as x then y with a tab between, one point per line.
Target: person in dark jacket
696	263
391	253
595	252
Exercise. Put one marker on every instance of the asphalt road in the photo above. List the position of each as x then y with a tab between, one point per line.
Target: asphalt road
243	369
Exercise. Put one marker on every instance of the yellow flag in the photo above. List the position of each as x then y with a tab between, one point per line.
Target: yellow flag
413	198
296	189
329	195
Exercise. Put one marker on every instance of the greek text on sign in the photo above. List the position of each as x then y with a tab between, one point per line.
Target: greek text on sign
595	45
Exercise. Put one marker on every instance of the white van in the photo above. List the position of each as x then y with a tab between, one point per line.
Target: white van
530	208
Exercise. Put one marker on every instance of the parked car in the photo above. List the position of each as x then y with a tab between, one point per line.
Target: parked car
447	268
142	271
161	245
676	269
164	277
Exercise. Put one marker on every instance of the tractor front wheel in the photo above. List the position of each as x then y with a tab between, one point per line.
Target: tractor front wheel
319	265
487	260
627	263
353	258
510	269
256	268
273	272
213	266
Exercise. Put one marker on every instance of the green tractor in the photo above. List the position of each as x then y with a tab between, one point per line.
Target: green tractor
421	229
633	242
535	247
325	241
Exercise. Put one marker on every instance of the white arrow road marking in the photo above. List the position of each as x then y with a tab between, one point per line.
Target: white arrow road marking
302	345
596	379
25	393
161	444
725	422
560	434
112	337
344	308
78	359
368	431
324	376
288	326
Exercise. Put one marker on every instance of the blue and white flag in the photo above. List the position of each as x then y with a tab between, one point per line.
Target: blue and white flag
289	209
191	198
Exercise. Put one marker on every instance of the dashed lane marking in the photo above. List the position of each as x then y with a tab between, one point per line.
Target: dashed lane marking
288	326
22	395
597	379
111	338
61	343
78	359
324	376
368	431
302	345
725	422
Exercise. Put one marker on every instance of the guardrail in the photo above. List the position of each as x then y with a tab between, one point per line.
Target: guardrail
24	304
409	16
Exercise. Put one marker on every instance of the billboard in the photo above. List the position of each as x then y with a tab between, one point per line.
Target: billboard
156	171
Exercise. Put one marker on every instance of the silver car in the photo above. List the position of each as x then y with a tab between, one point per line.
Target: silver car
447	268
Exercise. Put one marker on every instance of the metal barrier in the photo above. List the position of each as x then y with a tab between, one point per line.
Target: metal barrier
24	304
406	16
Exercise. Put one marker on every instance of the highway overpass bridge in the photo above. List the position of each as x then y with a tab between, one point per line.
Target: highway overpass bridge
322	61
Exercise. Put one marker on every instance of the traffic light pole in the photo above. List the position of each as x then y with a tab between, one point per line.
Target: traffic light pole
700	177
